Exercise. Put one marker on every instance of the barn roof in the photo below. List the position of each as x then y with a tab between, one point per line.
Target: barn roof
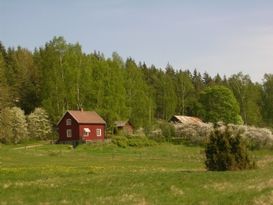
89	117
121	123
186	119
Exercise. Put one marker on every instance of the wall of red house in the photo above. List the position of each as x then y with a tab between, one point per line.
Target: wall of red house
62	127
93	132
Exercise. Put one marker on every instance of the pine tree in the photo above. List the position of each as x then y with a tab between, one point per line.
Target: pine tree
5	99
268	99
23	79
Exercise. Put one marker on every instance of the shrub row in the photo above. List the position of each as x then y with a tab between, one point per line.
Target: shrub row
16	127
132	141
198	134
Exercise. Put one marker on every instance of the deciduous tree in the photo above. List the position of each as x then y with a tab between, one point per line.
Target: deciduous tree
219	104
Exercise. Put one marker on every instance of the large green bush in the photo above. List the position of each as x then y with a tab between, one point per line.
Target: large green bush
227	150
120	141
132	141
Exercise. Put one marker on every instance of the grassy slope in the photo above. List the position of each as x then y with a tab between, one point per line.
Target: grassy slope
165	174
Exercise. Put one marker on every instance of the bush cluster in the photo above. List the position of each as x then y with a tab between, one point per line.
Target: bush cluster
193	134
16	127
132	141
13	125
162	132
257	138
227	150
198	134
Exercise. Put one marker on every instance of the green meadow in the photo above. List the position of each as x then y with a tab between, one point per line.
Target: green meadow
106	174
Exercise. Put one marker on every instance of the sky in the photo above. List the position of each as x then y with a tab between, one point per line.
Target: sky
213	36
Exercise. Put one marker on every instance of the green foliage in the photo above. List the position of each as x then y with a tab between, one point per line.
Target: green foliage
39	126
107	174
23	79
219	104
59	76
60	65
13	126
138	101
120	141
132	141
248	96
5	99
267	99
227	150
167	130
184	92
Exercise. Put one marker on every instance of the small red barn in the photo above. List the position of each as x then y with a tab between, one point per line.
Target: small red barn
77	126
124	127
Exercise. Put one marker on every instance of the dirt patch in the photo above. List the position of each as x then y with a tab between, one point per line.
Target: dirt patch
264	200
176	191
219	186
267	160
259	186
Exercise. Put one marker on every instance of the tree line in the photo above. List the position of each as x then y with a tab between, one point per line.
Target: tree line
59	76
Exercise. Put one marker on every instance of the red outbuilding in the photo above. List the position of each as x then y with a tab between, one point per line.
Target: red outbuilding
123	127
81	126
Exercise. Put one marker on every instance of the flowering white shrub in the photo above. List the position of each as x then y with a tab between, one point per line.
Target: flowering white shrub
198	134
38	124
257	138
13	125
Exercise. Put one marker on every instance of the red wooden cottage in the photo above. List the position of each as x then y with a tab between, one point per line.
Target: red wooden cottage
81	126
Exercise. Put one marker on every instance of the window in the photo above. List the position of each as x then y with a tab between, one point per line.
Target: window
68	122
69	133
86	132
98	132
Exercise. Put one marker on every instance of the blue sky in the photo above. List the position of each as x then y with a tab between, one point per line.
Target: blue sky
223	37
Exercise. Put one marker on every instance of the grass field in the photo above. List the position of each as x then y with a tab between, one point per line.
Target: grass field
105	174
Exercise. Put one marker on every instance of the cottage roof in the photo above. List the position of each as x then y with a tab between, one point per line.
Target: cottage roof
86	117
186	119
121	123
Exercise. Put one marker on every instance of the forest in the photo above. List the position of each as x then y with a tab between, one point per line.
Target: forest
59	76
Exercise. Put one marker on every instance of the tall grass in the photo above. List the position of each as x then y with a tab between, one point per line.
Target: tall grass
107	174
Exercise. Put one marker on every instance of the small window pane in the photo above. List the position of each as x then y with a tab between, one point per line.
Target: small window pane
68	122
69	133
98	132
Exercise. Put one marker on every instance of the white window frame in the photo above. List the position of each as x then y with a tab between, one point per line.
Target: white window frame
86	134
69	133
98	132
68	121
